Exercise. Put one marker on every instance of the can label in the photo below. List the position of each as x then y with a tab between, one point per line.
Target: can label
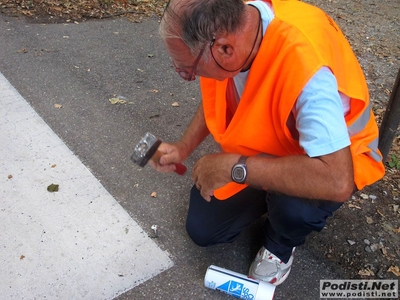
236	284
236	289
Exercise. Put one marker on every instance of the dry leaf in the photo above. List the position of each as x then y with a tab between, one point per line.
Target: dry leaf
153	194
22	257
395	207
366	272
10	176
23	50
52	188
117	101
396	230
27	13
369	220
354	206
154	91
53	165
384	251
380	213
57	105
175	104
395	270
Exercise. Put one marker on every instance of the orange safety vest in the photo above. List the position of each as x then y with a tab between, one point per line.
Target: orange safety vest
298	42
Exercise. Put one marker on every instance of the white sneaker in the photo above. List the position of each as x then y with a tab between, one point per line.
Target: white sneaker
269	268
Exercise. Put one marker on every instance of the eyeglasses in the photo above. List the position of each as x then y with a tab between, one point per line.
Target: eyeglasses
189	76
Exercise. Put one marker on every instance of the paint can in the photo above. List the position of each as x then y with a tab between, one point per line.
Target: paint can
237	285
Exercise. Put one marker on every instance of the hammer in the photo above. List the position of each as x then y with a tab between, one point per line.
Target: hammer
147	149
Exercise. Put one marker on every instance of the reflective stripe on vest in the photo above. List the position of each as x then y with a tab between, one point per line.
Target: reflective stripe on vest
359	125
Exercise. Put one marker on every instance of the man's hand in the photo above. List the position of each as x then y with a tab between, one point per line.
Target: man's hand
172	153
212	172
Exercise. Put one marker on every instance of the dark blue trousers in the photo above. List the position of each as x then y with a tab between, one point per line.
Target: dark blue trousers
289	220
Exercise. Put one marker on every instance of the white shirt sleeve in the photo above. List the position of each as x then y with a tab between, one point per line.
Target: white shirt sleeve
319	115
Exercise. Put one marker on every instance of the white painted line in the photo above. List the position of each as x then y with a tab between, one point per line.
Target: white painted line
77	243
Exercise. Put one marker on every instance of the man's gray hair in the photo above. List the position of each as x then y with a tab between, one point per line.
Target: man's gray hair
196	22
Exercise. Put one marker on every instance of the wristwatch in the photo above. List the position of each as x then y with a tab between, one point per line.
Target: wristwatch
239	170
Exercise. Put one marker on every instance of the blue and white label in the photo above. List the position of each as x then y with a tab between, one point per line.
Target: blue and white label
236	289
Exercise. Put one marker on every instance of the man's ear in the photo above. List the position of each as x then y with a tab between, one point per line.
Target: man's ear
223	48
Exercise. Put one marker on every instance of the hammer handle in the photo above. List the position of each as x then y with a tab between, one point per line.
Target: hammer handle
180	168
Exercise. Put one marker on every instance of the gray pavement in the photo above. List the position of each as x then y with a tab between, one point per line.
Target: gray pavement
81	66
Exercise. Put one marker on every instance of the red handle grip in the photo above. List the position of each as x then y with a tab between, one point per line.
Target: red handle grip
180	169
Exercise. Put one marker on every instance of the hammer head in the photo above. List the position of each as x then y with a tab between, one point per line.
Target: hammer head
145	149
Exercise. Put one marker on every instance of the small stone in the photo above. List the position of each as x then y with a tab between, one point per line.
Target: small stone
367	242
373	197
351	242
364	196
368	249
375	247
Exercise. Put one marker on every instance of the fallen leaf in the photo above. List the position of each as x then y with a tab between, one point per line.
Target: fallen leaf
153	194
396	230
354	206
154	91
9	176
53	165
52	188
395	270
22	257
150	55
369	220
57	105
23	50
117	101
175	104
27	13
380	213
384	251
366	272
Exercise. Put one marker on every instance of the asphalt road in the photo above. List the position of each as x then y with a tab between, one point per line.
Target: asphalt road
82	66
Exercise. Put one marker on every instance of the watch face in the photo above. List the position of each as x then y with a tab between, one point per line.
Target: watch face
239	173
